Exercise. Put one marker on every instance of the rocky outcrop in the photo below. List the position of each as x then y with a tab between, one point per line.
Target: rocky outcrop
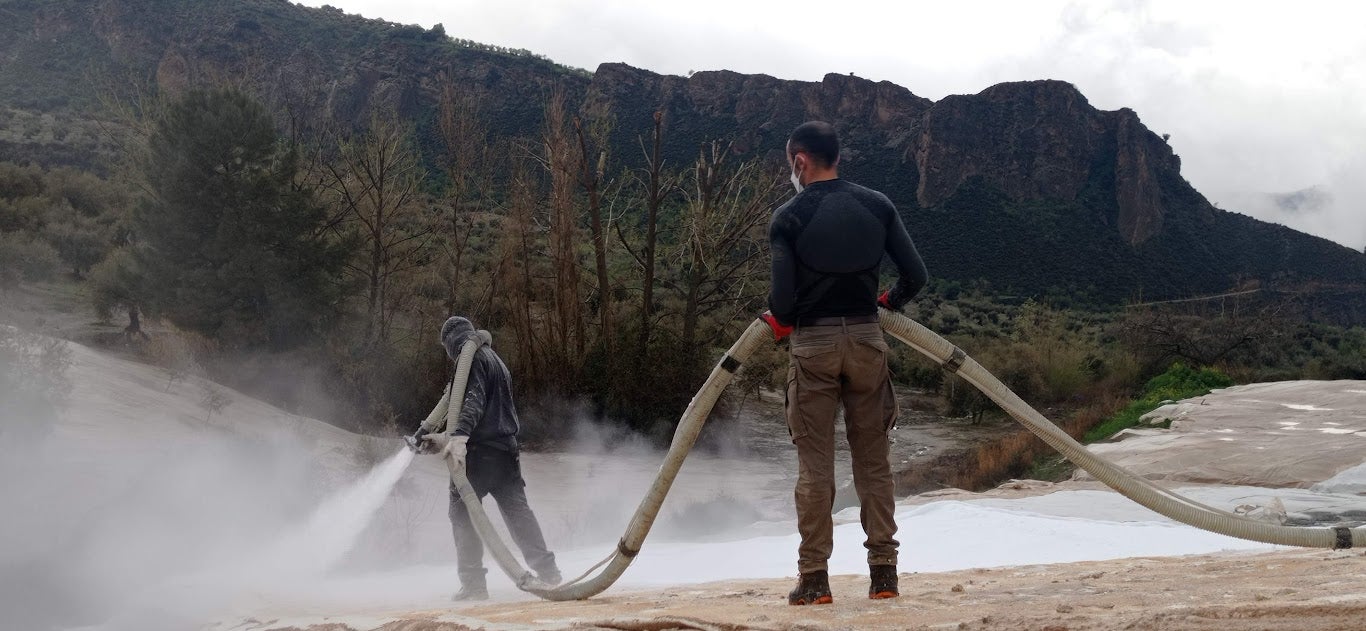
1016	170
1035	140
1042	140
756	112
1139	156
1032	141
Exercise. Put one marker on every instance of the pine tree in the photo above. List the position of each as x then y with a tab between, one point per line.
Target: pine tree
229	247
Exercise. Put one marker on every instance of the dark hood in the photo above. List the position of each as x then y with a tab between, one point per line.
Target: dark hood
454	333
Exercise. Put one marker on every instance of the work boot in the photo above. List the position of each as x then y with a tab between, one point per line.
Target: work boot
551	578
472	590
883	582
813	588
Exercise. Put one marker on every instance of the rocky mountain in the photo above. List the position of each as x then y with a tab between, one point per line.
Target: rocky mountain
1025	185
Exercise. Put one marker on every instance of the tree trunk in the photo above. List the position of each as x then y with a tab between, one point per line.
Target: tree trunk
559	161
690	306
600	256
376	267
651	236
134	327
590	178
457	254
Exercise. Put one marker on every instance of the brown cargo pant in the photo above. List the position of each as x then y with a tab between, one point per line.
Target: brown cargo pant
831	365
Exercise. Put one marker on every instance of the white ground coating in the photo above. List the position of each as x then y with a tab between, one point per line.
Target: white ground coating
150	517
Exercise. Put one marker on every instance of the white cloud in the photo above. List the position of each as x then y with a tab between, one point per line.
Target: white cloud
1259	96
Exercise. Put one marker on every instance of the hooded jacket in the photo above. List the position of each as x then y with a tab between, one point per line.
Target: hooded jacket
488	415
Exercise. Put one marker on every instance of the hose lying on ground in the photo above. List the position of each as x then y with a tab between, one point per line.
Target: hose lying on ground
952	359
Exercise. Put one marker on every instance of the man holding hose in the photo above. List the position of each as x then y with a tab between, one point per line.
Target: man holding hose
827	244
483	440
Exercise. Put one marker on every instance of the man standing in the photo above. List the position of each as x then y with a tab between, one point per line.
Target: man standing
827	243
484	441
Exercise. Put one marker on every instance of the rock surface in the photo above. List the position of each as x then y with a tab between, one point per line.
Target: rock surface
1280	591
1234	436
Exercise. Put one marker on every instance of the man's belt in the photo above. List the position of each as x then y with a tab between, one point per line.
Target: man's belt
838	320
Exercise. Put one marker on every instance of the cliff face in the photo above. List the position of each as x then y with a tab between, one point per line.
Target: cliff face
1041	140
757	112
1033	141
1020	172
316	64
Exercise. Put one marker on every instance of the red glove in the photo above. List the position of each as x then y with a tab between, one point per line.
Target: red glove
885	301
780	330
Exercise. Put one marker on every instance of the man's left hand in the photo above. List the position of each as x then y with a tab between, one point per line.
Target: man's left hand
885	301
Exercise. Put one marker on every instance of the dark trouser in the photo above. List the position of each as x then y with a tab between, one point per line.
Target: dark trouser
496	472
832	366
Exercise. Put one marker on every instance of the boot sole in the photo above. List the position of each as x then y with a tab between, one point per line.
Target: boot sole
883	595
820	600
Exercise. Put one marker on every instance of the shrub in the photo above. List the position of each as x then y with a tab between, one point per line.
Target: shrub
79	242
23	258
1047	358
1178	382
913	369
25	214
1181	382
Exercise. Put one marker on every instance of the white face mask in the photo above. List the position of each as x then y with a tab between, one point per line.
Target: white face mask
797	182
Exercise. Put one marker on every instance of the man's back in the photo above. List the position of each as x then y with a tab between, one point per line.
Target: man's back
488	415
827	244
492	414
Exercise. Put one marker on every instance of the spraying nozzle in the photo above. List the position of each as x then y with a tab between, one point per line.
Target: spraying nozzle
422	441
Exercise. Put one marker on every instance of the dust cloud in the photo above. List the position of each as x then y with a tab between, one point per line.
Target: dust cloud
128	508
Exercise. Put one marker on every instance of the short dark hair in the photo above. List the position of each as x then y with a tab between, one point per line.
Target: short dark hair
817	138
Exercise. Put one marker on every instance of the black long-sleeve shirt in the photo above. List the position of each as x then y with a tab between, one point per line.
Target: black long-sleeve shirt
827	244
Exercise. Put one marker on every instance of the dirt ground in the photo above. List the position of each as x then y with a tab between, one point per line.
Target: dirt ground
1292	590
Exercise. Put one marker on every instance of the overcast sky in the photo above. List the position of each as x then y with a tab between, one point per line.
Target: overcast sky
1259	97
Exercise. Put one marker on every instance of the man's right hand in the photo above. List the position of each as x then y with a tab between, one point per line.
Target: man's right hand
420	443
885	301
780	330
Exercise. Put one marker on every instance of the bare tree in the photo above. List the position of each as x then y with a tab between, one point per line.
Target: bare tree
213	401
515	275
1198	333
657	184
465	136
560	159
592	163
375	180
723	236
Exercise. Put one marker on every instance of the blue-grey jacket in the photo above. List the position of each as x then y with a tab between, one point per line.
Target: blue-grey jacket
488	415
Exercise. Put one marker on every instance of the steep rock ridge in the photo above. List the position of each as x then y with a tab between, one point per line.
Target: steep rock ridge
755	112
1025	184
1034	140
1042	140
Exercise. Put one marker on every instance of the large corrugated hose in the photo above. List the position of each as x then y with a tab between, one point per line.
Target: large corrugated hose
953	359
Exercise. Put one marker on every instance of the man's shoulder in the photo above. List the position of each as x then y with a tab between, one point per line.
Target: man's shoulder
486	358
785	217
865	193
495	362
791	206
